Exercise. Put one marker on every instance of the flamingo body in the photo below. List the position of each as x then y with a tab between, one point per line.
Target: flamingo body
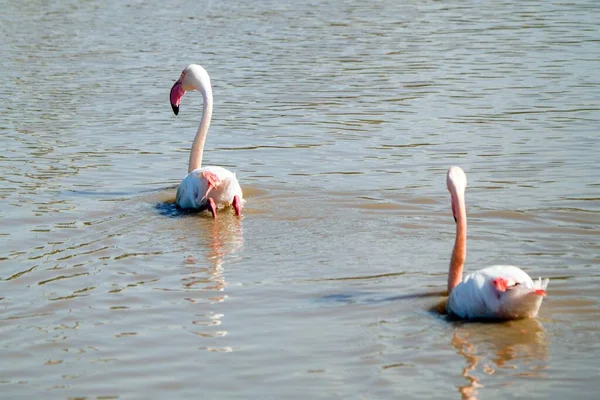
497	292
210	182
203	187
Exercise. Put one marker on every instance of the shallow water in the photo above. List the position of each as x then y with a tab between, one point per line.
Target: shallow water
340	120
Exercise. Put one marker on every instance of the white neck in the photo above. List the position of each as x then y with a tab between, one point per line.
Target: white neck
198	144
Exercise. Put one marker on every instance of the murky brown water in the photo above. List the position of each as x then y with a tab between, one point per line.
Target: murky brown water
340	119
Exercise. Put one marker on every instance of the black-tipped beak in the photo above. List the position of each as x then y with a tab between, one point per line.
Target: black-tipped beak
455	221
175	96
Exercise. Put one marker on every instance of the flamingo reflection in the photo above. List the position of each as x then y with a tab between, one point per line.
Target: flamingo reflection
224	237
489	348
220	238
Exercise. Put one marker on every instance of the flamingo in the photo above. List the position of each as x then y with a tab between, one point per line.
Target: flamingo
209	187
496	292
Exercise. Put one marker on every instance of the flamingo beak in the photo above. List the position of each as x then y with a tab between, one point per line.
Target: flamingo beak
177	93
454	211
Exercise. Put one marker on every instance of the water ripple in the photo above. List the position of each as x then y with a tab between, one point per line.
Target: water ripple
340	121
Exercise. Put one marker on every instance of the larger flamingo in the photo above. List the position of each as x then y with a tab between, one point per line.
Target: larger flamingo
207	187
497	292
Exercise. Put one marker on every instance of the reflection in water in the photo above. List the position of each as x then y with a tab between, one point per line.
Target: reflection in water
487	347
224	236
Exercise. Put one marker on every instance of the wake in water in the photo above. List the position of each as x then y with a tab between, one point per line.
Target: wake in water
163	199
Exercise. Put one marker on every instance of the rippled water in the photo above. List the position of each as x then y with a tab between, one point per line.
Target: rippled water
340	119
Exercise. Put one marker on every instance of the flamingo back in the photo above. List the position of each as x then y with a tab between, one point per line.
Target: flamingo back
213	182
479	296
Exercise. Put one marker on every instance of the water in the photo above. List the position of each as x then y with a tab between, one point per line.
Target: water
340	119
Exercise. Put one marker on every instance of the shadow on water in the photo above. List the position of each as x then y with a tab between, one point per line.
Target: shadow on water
169	209
372	298
166	208
110	194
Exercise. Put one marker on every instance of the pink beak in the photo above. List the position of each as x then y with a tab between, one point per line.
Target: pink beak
177	93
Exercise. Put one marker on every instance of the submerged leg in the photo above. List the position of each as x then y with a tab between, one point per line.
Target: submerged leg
212	207
237	205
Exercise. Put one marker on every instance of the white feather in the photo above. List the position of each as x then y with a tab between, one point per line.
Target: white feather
477	297
191	193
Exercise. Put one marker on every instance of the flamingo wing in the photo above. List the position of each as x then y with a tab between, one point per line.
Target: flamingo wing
211	182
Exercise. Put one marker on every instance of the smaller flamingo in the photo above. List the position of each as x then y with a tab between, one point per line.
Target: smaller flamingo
496	292
209	187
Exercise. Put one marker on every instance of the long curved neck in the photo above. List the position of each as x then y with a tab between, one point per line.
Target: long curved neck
459	253
198	144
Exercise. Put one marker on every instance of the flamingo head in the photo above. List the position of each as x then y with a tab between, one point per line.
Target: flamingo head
456	182
193	77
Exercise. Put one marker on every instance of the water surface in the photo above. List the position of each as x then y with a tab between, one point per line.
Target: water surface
340	119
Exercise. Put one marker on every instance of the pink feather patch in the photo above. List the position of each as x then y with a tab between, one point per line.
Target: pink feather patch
212	178
213	181
501	284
